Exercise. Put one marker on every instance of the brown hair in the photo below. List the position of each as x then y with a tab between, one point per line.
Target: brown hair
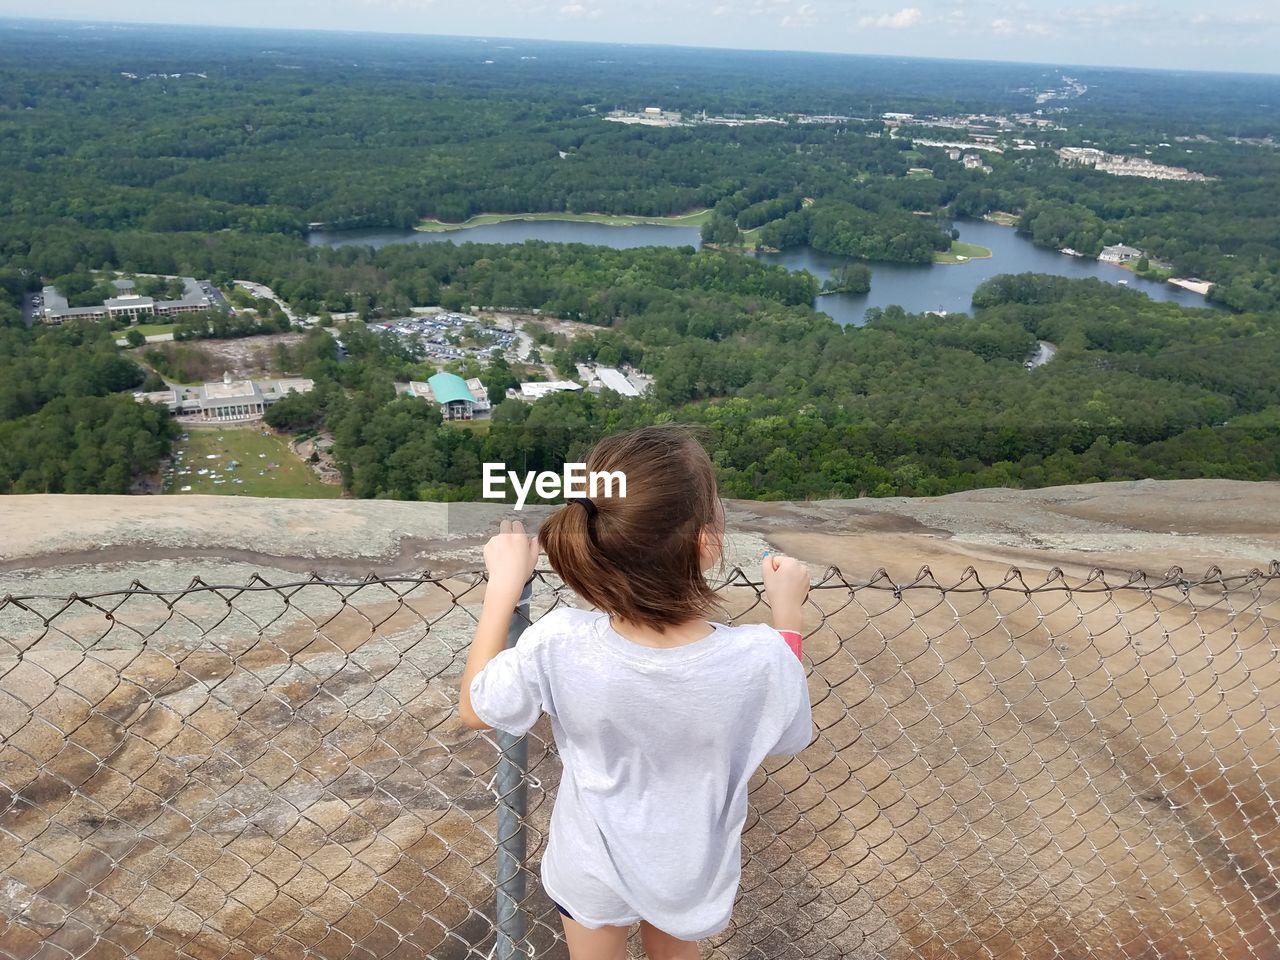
639	557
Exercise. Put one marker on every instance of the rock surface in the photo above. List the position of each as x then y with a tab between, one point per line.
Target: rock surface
51	544
267	765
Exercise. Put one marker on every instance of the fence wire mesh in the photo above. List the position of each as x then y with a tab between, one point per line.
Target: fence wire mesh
1065	768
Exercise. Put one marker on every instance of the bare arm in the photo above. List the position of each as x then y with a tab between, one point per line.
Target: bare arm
786	585
510	557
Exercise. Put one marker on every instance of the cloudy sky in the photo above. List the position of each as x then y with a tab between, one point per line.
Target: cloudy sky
1181	34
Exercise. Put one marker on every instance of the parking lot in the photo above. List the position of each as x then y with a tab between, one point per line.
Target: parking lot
32	304
216	299
444	336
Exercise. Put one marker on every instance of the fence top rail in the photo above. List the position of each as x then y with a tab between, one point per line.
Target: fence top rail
1096	580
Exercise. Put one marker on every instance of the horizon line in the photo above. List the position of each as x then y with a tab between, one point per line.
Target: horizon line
349	31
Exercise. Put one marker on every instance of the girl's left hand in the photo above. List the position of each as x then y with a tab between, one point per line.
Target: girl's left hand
511	556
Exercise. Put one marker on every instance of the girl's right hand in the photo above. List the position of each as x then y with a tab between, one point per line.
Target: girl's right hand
786	585
510	557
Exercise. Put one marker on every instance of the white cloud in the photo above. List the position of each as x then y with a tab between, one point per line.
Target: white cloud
577	10
903	19
400	6
1108	15
1003	27
1246	21
804	16
720	10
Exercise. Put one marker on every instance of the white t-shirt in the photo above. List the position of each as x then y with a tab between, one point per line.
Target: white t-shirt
658	745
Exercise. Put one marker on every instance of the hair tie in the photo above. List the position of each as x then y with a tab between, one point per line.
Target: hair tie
586	502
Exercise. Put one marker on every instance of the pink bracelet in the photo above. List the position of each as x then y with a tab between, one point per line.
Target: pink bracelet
793	639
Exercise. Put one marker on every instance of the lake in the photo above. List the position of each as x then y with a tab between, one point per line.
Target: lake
914	287
518	231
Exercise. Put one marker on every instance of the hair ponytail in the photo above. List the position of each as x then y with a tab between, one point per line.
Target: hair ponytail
566	538
639	556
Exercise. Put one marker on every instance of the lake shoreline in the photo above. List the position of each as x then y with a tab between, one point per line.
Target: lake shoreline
961	252
694	218
916	288
1001	218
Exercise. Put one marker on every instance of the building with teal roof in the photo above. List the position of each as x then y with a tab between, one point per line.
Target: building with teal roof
458	399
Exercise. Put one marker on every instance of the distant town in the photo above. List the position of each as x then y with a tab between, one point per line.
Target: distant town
979	125
1122	166
992	133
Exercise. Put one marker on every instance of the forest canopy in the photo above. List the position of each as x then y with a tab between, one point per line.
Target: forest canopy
199	131
213	153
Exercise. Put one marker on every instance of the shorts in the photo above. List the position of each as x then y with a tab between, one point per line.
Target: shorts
563	911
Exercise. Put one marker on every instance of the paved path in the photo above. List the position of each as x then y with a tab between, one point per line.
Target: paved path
1046	352
524	345
262	290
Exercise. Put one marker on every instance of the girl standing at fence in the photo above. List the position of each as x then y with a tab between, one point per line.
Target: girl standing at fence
660	716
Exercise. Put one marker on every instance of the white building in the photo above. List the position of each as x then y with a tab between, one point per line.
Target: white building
481	393
1119	253
615	380
226	400
458	399
539	389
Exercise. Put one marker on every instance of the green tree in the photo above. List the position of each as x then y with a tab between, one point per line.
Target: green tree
849	278
721	231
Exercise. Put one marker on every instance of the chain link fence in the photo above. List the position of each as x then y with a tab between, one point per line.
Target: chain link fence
1068	768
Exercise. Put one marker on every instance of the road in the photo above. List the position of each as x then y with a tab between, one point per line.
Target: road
262	290
524	345
1045	352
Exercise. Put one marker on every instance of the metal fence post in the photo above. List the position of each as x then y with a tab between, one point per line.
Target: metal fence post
512	793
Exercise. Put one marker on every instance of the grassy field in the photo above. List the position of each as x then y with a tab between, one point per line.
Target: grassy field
695	219
1153	273
150	329
1002	218
266	465
960	252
